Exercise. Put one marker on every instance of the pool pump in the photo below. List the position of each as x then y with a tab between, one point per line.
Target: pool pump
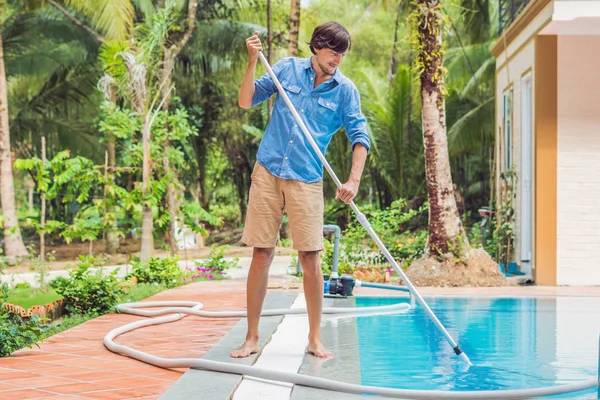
342	286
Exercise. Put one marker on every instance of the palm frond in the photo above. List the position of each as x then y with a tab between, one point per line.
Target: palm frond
146	7
474	130
461	60
113	17
216	46
484	75
476	16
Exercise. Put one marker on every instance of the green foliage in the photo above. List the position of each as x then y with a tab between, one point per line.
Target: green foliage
392	225
15	332
503	233
27	297
216	264
164	271
134	294
495	234
117	121
113	17
408	247
87	292
40	266
327	258
228	213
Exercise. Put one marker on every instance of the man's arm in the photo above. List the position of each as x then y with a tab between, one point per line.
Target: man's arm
349	190
355	125
247	89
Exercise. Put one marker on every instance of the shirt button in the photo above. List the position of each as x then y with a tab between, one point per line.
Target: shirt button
285	158
302	110
291	141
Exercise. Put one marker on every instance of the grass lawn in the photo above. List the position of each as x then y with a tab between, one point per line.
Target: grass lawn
27	298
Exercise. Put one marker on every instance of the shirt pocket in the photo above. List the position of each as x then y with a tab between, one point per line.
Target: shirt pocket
326	109
290	88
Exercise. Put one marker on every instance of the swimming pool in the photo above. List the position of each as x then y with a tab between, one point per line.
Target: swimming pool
513	343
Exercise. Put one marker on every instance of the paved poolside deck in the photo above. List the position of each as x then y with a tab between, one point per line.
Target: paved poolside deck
76	365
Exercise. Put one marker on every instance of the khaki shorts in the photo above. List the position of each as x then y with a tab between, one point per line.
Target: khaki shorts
269	197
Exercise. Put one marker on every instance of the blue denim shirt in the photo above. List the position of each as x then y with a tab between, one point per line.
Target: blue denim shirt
284	150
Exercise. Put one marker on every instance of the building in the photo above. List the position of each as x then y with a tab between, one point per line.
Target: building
548	132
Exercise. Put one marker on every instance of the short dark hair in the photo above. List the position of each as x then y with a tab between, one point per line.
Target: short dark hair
330	35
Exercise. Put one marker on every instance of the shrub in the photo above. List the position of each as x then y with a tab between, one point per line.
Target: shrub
212	268
163	271
86	292
217	262
15	332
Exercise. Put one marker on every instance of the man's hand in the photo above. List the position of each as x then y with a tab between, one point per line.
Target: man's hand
348	191
254	46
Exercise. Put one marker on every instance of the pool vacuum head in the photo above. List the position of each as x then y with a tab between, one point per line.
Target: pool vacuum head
339	287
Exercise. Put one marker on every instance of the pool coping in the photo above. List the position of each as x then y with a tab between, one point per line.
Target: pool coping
205	384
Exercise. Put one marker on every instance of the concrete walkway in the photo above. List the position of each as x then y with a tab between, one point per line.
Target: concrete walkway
279	271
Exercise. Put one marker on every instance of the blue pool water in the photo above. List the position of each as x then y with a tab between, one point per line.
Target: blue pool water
513	343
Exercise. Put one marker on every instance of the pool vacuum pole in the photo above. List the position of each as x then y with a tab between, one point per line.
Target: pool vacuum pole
360	216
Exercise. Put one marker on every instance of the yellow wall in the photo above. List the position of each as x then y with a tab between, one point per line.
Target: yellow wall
515	58
545	92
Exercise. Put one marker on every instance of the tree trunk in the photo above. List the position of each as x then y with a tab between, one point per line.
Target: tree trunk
13	242
446	233
167	75
147	246
168	64
112	238
294	28
43	211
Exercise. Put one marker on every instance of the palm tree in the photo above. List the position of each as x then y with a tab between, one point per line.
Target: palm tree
446	232
13	242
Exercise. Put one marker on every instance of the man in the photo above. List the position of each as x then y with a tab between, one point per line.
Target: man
288	173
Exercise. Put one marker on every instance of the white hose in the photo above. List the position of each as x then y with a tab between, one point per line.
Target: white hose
178	310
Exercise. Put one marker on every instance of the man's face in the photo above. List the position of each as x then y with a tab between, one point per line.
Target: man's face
328	60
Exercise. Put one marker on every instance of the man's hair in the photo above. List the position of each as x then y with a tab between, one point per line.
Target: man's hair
330	35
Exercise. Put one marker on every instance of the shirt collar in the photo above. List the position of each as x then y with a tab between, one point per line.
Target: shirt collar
337	76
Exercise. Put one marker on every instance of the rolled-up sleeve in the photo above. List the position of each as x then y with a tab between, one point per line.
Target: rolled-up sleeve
354	121
264	87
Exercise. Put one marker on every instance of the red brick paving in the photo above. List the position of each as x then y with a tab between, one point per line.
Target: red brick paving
75	364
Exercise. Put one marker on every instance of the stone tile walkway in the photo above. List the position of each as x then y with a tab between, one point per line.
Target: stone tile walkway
75	364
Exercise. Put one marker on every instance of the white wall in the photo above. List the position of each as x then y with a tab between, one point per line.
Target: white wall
519	65
570	9
578	148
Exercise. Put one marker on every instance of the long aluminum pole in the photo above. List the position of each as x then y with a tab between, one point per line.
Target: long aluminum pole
360	216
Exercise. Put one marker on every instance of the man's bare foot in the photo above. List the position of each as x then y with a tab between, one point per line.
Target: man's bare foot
249	347
318	350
